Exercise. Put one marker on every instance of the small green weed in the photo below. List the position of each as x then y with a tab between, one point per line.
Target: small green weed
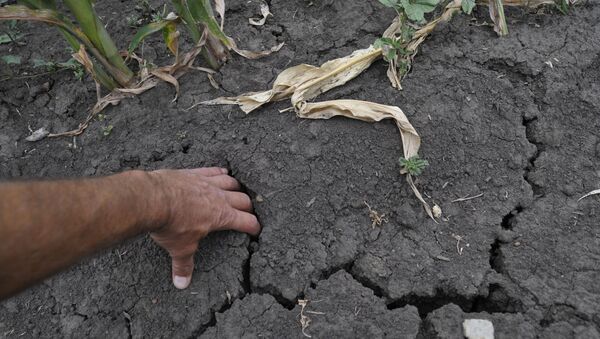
107	130
414	165
413	9
395	46
467	6
10	33
11	59
563	6
71	64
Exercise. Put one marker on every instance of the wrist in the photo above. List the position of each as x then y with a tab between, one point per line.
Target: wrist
152	194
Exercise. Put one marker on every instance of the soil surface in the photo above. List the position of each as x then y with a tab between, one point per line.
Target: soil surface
511	121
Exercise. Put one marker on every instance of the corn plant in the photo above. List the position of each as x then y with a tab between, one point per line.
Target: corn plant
198	17
108	67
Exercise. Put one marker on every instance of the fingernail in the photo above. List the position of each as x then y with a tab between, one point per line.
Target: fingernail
181	282
224	170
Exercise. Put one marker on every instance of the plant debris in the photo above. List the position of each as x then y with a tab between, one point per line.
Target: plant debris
497	15
594	192
38	135
467	198
304	319
265	12
376	218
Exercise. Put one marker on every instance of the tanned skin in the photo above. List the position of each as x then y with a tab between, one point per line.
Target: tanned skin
47	226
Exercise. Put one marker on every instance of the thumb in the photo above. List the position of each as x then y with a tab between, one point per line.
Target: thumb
183	267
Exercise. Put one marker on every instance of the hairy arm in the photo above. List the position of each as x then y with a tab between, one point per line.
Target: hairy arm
48	226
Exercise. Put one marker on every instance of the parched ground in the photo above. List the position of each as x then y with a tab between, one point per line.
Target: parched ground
514	122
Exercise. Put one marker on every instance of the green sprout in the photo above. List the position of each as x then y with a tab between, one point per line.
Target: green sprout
107	130
413	165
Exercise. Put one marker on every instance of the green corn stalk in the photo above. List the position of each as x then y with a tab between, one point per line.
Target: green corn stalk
94	29
113	71
497	15
193	27
197	16
99	73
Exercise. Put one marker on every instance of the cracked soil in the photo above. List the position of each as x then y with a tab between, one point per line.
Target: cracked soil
515	120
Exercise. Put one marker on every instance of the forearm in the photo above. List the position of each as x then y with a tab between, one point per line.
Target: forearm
47	226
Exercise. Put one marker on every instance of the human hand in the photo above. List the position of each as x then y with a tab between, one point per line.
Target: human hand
199	201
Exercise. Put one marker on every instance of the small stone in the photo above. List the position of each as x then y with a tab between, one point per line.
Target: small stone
478	329
437	211
259	198
38	135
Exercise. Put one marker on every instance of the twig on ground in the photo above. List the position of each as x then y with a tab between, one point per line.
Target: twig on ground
459	239
304	320
467	198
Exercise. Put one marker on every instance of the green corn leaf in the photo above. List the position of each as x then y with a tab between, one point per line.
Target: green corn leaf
94	29
146	31
184	12
563	6
203	14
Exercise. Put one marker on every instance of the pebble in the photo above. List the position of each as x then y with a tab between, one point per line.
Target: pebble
478	329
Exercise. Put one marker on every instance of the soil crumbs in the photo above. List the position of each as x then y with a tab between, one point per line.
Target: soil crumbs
514	121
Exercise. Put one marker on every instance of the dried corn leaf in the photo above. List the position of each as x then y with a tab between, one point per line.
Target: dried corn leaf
423	32
151	80
265	12
164	76
370	112
83	58
595	192
305	82
365	111
220	9
38	135
336	73
252	54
